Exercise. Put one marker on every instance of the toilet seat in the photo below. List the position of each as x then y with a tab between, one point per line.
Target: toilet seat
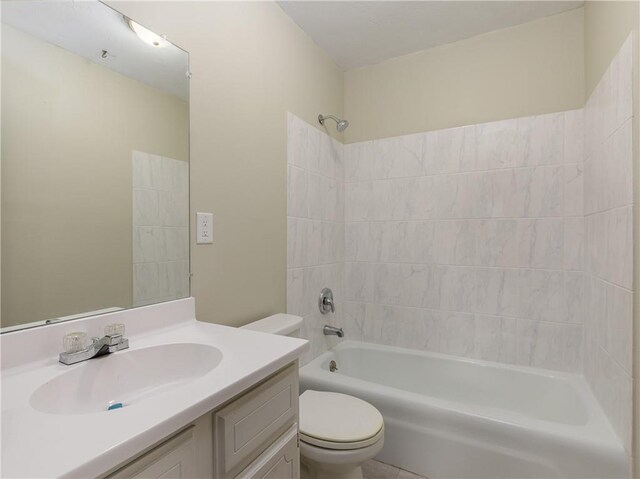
337	421
340	446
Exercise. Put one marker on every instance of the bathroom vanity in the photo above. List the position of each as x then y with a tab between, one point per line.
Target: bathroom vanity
253	436
200	400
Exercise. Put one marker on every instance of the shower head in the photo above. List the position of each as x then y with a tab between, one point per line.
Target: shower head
341	124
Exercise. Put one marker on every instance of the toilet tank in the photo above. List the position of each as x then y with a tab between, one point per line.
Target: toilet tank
282	324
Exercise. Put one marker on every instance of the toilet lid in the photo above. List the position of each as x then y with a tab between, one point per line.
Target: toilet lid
338	418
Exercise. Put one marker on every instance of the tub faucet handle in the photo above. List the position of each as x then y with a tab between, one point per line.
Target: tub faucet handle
325	302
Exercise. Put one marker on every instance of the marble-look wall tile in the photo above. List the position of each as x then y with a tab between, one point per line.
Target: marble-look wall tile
612	387
544	140
609	239
609	172
619	253
160	228
495	339
484	221
173	279
574	297
397	157
358	279
616	339
619	165
456	334
146	208
574	136
176	241
573	192
498	291
315	229
549	345
358	159
149	244
497	243
297	192
541	243
450	151
173	208
573	244
608	259
501	144
354	320
545	195
295	291
145	282
541	295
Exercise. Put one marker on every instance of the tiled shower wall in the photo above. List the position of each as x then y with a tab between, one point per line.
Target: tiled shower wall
160	228
469	241
315	228
608	202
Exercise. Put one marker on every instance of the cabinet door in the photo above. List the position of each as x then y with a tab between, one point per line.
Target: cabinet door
247	426
280	461
174	459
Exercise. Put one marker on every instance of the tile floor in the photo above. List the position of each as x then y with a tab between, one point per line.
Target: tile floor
379	470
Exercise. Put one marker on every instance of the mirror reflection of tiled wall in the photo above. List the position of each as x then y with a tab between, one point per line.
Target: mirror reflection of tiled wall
160	228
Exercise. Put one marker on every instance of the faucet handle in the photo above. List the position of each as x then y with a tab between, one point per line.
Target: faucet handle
74	342
325	302
114	329
113	339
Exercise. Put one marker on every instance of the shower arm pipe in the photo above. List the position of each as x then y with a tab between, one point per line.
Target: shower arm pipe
322	118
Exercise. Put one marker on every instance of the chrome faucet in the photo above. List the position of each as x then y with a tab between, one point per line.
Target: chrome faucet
332	331
325	302
109	343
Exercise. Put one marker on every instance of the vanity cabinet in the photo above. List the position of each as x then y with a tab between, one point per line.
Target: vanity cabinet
174	459
280	461
253	436
246	427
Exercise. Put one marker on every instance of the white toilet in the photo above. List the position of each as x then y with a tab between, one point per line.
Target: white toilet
337	432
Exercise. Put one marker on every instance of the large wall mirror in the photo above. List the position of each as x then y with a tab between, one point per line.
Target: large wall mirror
95	175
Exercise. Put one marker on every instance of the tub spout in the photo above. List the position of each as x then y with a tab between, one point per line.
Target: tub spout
333	331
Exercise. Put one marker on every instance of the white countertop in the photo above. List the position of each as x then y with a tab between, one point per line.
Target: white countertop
39	445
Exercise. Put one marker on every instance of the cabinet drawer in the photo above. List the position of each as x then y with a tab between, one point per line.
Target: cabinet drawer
246	427
280	461
173	459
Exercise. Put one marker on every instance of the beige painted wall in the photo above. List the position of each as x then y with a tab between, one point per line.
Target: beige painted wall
532	68
251	64
66	184
607	25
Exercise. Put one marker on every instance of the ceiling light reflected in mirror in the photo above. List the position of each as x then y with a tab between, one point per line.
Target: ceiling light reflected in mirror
147	35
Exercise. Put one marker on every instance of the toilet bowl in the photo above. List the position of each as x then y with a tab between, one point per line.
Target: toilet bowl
338	432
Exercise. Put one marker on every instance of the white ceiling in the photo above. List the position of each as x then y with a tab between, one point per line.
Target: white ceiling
362	33
87	27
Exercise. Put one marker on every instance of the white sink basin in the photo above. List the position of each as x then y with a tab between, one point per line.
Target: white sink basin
125	377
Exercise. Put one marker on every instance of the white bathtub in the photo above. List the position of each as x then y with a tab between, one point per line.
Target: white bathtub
448	417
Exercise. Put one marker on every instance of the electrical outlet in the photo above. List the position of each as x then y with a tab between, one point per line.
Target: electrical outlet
204	228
